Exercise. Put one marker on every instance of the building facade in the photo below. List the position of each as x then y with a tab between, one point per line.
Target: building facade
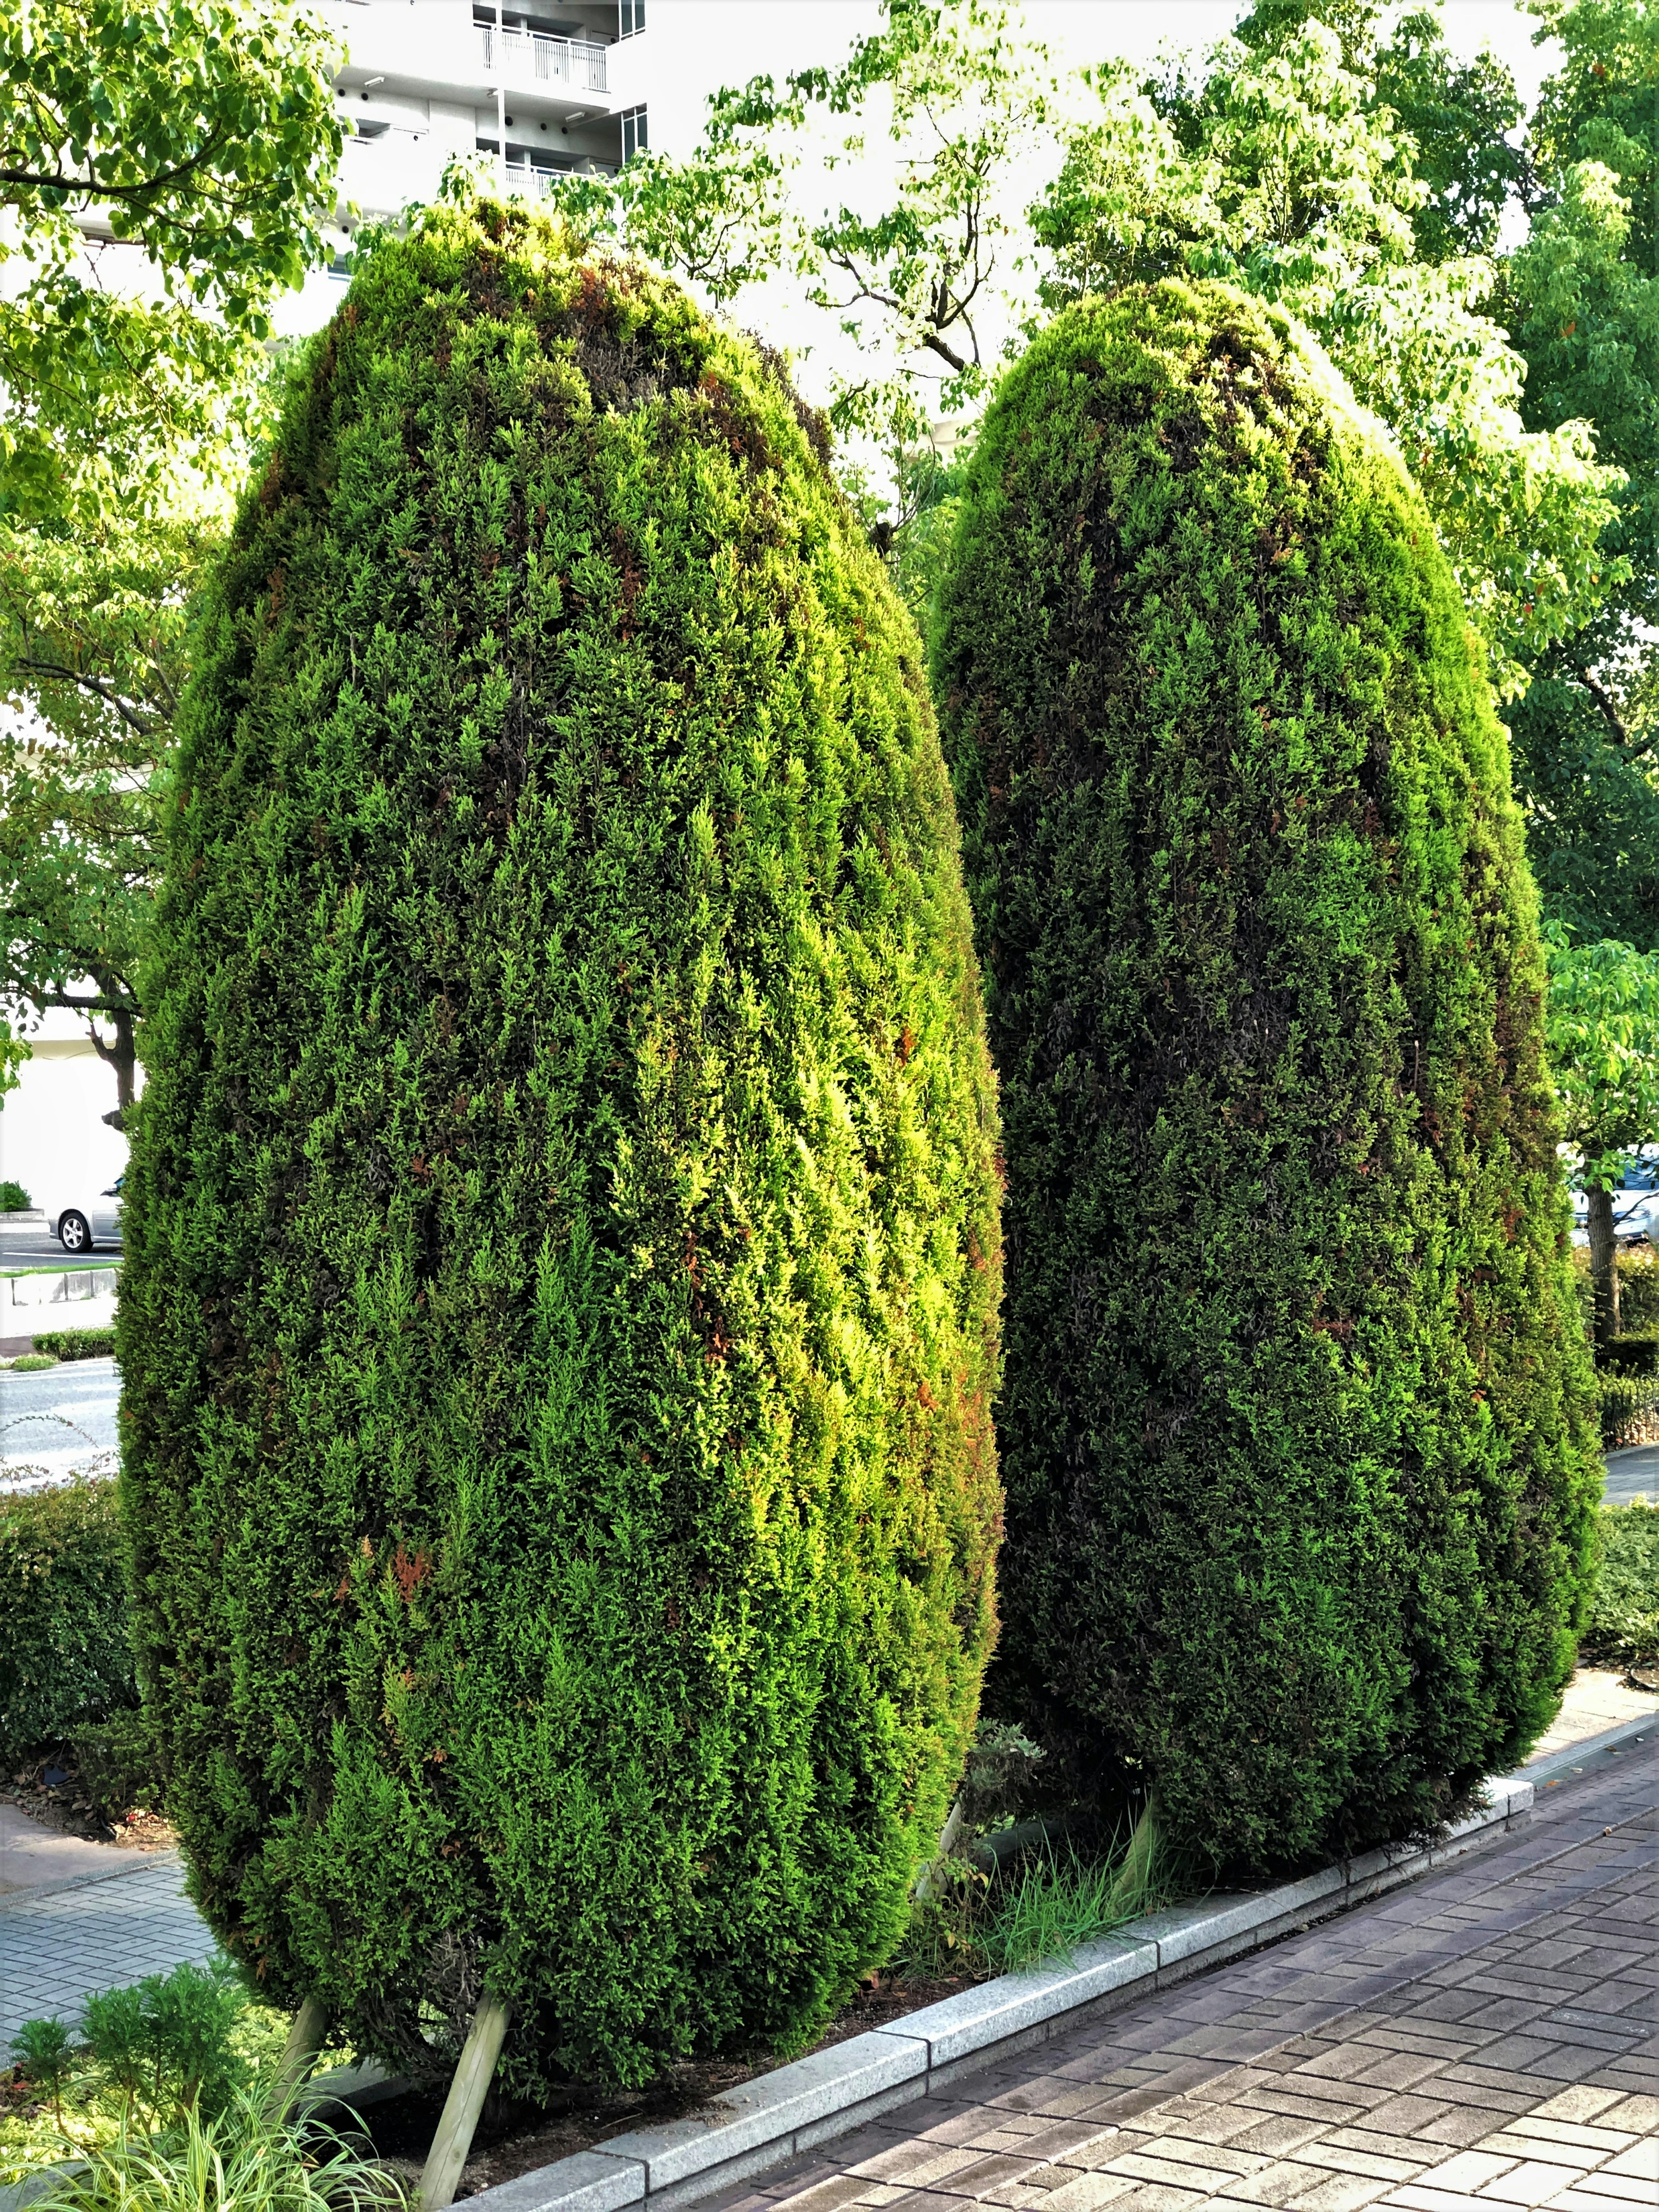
546	91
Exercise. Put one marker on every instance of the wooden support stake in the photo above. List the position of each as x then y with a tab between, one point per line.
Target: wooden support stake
441	2175
305	2038
947	1842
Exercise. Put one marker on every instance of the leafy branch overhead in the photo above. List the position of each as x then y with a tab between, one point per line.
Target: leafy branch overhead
167	174
200	133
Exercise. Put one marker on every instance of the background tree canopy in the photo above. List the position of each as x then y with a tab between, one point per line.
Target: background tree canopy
131	373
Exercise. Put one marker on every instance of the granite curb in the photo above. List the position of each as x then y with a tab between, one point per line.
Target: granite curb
778	2115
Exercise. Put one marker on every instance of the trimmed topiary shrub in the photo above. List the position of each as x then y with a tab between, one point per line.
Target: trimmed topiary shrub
1298	1432
66	1654
559	1321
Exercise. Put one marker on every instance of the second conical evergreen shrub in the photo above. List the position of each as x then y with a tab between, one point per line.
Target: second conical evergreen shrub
559	1322
1296	1432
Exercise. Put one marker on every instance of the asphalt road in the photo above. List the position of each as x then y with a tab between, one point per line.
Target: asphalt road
33	1247
57	1420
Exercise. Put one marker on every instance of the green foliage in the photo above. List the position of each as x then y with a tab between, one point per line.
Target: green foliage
32	1363
165	2045
14	1199
77	1343
1002	1765
1582	300
115	1759
1604	1047
1296	1428
955	105
558	1326
1624	1622
1054	1902
67	1653
92	623
203	132
1631	1353
1628	1406
244	2157
13	1051
1638	1291
1042	1907
42	2048
1279	168
1583	775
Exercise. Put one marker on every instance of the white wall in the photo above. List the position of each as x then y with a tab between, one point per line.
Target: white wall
52	1138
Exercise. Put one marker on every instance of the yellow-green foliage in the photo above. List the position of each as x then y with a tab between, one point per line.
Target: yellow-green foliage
1297	1433
559	1322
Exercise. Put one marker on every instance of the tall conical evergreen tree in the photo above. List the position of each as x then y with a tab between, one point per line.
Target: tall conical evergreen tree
559	1323
1296	1430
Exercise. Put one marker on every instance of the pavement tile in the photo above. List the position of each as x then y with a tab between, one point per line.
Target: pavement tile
1089	2191
1528	2184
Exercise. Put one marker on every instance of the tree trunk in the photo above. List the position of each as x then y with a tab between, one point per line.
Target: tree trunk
123	1057
1604	1272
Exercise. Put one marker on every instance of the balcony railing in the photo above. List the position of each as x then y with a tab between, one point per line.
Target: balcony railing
540	184
530	57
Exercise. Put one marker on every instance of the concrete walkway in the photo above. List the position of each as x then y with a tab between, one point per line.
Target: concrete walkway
1484	2041
56	1948
1632	1472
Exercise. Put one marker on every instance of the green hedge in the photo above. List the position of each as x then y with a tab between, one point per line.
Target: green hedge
1638	1293
559	1321
14	1199
66	1654
1297	1428
77	1343
1629	1408
1624	1622
1628	1354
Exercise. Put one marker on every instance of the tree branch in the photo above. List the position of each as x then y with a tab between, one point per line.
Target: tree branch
97	686
1610	716
39	180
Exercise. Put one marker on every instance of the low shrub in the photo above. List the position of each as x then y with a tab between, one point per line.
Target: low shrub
1628	1405
1638	1293
77	1343
1624	1622
116	1760
66	1655
14	1199
1631	1355
32	1363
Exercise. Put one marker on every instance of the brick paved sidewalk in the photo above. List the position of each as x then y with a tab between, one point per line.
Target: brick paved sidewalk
54	1950
1485	2039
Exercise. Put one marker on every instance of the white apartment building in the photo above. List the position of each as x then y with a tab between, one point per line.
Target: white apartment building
561	85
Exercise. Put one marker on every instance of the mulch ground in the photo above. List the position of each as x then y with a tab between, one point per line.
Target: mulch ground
62	1806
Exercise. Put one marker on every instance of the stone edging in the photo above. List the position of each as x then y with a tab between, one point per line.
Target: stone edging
772	2118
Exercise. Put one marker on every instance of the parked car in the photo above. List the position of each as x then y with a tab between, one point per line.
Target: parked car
86	1222
1635	1202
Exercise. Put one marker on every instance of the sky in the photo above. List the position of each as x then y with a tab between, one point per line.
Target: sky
703	44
